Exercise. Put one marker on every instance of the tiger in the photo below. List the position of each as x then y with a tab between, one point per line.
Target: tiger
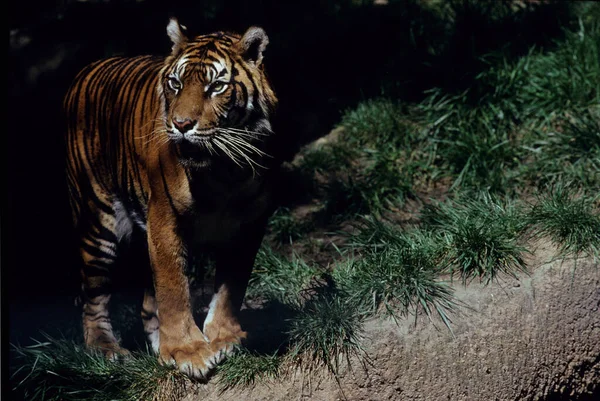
176	147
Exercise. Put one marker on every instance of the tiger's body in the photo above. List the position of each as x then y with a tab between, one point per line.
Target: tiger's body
176	146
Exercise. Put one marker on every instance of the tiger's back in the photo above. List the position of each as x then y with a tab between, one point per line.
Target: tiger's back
112	105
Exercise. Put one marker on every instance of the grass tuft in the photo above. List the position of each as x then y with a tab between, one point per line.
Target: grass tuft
62	370
397	272
325	332
279	279
382	184
246	368
480	154
569	221
330	157
480	236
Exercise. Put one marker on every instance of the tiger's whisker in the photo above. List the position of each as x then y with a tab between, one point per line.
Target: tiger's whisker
248	131
248	146
225	150
239	147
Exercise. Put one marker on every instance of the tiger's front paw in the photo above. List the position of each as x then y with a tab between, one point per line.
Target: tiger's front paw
192	355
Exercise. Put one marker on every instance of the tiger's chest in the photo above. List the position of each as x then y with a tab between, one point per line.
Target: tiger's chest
218	217
213	215
214	228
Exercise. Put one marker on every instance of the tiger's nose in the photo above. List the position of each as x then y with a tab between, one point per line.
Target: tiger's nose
183	125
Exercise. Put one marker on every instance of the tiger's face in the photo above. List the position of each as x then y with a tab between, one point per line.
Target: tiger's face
215	95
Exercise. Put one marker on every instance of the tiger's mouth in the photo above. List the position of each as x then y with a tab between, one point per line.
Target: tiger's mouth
239	145
202	133
194	154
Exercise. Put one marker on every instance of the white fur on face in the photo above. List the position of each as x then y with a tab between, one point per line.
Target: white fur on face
219	66
180	66
212	74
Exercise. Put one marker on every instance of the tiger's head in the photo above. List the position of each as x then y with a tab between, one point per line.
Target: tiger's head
216	98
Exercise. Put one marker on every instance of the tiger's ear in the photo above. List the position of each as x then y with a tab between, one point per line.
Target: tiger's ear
177	34
252	45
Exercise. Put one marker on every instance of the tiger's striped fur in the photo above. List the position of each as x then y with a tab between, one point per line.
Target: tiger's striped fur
178	147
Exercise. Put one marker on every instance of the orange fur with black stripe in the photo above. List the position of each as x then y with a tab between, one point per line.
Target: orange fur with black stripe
179	147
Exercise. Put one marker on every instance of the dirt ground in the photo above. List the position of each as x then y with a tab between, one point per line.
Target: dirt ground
537	338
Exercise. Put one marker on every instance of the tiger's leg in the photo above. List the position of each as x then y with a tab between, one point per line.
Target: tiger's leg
99	252
234	266
150	319
181	341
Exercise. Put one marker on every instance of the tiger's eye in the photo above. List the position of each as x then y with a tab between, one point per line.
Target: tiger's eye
218	87
174	83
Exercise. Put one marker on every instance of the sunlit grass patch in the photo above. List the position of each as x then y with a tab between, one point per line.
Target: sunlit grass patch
540	85
375	162
62	370
565	78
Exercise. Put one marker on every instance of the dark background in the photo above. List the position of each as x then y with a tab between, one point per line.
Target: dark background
323	58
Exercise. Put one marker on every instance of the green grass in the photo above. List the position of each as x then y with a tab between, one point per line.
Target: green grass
61	370
285	228
480	155
488	134
544	84
481	237
386	181
331	157
378	123
322	329
525	121
275	277
326	332
568	154
565	78
246	368
568	218
395	271
375	164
